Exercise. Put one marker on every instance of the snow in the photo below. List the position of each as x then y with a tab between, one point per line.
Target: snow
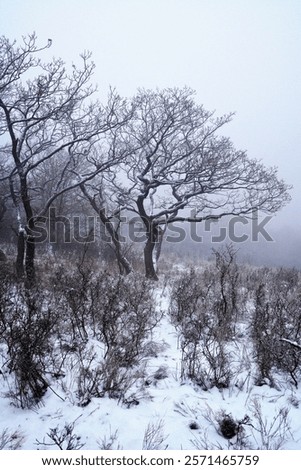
165	402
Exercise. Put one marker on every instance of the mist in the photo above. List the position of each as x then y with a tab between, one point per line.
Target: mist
238	56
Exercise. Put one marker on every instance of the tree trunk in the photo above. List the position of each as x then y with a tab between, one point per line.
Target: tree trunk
158	247
29	261
150	271
123	264
152	237
20	254
30	239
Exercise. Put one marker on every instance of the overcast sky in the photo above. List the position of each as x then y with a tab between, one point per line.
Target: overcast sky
238	55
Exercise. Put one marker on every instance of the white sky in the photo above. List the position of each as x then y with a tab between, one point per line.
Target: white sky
239	55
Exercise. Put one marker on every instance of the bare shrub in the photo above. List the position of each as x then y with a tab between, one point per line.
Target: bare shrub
225	425
11	440
188	303
89	376
264	433
217	369
92	376
227	279
77	292
117	314
106	378
270	434
290	357
263	336
123	324
126	317
29	323
204	307
119	311
276	315
7	288
154	436
64	439
206	362
109	443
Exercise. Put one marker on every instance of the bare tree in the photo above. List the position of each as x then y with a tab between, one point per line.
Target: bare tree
3	196
50	116
179	168
111	220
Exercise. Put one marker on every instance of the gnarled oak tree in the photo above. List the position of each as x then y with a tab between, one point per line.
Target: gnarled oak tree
180	168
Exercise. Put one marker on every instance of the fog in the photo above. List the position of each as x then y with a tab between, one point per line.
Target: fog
238	56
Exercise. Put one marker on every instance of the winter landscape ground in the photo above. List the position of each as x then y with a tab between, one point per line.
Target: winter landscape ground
205	358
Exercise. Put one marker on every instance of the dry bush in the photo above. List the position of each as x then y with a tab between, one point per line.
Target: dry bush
253	431
231	430
64	439
109	443
204	308
79	294
227	293
11	440
7	289
116	313
276	315
29	323
154	436
270	433
125	318
206	362
98	377
188	302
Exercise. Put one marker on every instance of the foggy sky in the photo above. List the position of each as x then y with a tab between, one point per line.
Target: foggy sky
239	55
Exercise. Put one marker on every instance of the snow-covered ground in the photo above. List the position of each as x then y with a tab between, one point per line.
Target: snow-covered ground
166	412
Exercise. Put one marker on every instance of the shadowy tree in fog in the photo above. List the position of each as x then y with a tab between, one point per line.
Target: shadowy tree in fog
46	113
179	168
111	220
4	191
